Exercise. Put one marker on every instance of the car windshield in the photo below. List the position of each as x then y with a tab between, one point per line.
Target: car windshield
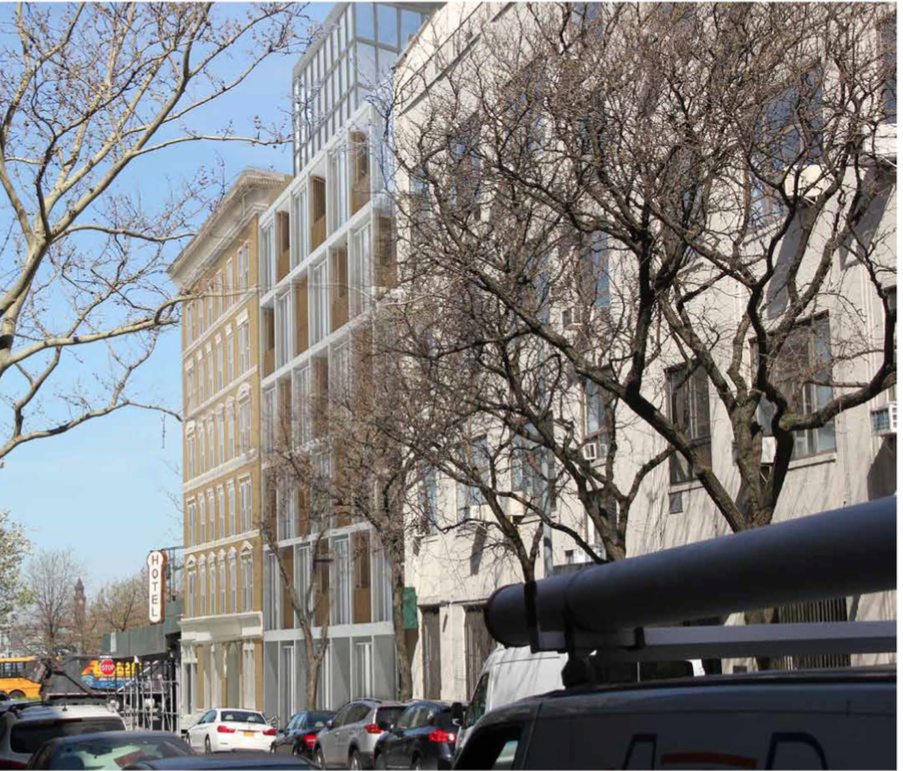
26	737
118	752
238	716
386	717
318	719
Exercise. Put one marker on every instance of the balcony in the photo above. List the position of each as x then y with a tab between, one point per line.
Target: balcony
360	171
339	271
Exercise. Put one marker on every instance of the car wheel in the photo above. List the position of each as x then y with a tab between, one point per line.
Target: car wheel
379	762
295	750
354	762
207	748
17	695
416	765
319	759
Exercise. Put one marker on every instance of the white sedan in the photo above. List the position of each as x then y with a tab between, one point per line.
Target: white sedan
224	730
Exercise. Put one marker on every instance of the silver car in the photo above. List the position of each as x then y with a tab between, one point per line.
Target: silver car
349	738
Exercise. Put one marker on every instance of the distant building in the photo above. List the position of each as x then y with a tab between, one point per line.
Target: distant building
221	642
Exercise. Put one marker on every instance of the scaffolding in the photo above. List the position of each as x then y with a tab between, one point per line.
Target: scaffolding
150	701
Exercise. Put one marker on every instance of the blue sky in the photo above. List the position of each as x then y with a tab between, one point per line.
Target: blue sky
105	489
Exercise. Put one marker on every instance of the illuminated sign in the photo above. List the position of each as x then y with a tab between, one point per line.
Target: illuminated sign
156	585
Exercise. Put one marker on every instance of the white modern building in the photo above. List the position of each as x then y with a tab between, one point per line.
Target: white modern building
327	247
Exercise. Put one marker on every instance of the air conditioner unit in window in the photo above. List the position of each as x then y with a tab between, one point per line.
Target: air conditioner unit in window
884	420
591	451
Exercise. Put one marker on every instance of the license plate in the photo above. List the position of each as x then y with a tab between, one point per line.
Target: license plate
249	733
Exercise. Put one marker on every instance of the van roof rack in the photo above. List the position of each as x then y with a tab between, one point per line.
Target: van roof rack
620	609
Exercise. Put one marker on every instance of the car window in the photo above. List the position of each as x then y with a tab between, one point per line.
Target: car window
386	717
404	722
341	716
317	719
210	717
424	716
494	747
28	736
357	713
293	723
477	705
241	716
117	753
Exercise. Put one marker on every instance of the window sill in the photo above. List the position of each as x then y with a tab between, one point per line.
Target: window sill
685	487
813	460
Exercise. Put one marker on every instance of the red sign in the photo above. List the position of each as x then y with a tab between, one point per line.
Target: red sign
108	667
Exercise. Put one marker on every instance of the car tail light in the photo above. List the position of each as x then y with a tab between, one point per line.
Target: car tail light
373	728
310	740
270	732
224	729
438	735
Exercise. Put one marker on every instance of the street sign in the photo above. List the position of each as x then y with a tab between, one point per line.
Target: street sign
108	667
156	585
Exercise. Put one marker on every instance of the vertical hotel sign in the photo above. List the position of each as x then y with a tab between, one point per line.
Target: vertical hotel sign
156	585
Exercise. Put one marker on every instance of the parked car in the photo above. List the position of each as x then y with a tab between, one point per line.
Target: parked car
512	674
300	735
235	761
223	730
802	719
25	726
108	750
348	739
423	737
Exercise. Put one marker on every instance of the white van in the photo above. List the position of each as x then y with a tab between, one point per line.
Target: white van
512	674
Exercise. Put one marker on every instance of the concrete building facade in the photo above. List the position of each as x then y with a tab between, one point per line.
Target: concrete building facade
852	460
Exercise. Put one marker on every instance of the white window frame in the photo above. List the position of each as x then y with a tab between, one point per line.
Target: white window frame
230	355
221	502
233	516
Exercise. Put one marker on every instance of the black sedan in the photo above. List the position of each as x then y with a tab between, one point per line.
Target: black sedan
423	737
300	735
109	749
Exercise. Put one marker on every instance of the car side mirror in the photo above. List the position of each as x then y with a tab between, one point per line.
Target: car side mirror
328	724
457	712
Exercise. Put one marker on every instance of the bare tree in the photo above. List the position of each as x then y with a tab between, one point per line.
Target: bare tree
122	605
14	548
91	93
603	202
48	623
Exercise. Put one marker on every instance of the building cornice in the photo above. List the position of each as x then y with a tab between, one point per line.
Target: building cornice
194	259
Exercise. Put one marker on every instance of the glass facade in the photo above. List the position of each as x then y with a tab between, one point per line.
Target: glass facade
355	51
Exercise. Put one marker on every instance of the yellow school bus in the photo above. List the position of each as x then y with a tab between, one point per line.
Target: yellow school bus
14	677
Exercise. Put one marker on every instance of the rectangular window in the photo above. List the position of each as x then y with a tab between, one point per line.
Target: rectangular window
320	290
191	457
244	420
230	373
202	518
210	374
222	585
244	268
212	588
244	348
221	495
211	446
233	529
221	438
341	580
203	603
269	419
228	299
888	34
209	303
267	258
218	289
233	584
211	513
302	406
803	372
202	381
688	392
192	516
192	593
202	456
359	272
247	582
303	578
596	404
245	494
476	459
219	366
189	388
283	329
227	428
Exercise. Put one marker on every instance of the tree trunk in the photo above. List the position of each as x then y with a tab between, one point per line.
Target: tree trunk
406	678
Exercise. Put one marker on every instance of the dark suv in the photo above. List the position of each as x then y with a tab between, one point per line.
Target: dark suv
423	737
805	719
